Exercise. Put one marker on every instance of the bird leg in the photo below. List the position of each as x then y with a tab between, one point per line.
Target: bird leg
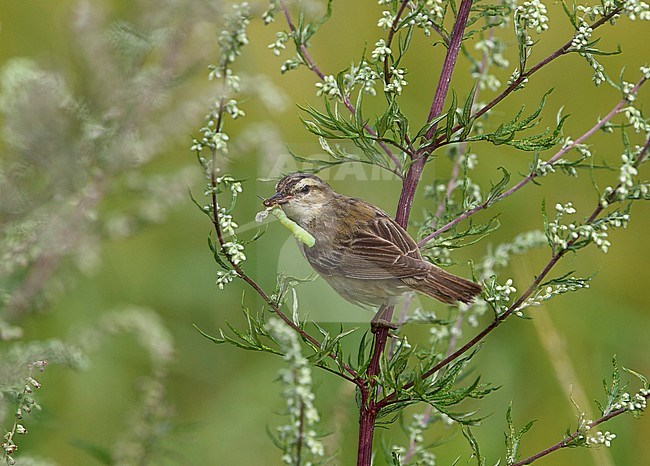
382	319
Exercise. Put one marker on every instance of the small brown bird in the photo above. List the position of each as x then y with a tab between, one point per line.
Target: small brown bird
362	253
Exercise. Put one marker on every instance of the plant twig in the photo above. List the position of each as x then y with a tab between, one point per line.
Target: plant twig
353	376
566	441
311	64
523	77
532	175
555	258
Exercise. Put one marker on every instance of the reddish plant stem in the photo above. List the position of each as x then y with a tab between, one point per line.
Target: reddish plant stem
416	168
369	409
367	417
311	64
566	441
449	64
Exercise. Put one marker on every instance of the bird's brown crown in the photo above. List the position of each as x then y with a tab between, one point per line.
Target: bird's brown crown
299	182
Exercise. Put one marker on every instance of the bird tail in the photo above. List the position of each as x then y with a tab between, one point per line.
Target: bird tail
445	287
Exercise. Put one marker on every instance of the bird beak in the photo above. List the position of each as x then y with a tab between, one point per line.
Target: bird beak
276	199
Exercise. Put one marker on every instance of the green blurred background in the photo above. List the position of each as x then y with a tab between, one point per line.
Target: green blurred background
224	399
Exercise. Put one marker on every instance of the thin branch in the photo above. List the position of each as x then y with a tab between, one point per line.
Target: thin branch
391	35
532	175
566	441
455	171
311	64
241	274
301	433
555	258
523	77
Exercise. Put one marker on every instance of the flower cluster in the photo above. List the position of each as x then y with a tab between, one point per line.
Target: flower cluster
233	36
223	278
386	20
298	436
626	178
226	222
234	251
422	21
396	82
231	40
328	87
600	438
499	257
636	120
565	286
582	37
492	49
594	11
213	139
562	236
532	15
543	168
381	51
417	452
439	333
599	70
360	74
633	403
629	91
626	189
25	405
499	296
290	64
279	45
583	149
529	16
423	16
636	9
633	9
471	192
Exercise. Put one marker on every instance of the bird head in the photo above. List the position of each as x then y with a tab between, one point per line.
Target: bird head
302	196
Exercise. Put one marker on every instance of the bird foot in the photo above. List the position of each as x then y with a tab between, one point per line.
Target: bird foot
377	324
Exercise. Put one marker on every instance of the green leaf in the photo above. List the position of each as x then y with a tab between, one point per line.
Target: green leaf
426	128
216	254
196	203
467	433
497	189
513	437
641	377
571	14
451	116
506	132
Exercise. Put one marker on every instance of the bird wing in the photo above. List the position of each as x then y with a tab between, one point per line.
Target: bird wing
379	249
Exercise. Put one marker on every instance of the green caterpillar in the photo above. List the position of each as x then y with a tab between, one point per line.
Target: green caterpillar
299	232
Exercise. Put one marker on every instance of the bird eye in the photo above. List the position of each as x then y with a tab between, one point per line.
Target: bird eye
305	190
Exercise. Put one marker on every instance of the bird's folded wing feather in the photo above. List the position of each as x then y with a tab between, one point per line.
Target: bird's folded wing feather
379	250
